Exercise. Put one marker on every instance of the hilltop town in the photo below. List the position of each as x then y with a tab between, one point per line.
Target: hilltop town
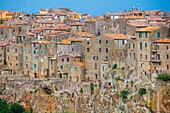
59	61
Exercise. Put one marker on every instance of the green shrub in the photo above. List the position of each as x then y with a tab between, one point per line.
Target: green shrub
164	77
92	88
114	66
81	90
142	91
124	94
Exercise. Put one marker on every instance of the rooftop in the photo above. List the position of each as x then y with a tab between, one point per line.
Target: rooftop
166	40
117	36
148	29
82	64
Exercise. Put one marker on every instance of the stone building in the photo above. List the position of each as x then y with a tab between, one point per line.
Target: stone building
132	25
77	72
161	56
64	63
97	50
90	26
27	54
3	53
14	57
144	41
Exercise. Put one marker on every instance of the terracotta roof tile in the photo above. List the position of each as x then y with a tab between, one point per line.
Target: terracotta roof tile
82	64
83	34
117	36
148	29
166	40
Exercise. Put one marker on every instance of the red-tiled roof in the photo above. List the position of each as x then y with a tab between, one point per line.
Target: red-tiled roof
82	64
117	36
166	40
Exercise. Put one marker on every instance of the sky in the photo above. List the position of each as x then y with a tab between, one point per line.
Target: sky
94	7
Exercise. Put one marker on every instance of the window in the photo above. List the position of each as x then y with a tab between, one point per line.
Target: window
146	45
159	34
95	58
140	35
106	58
146	57
40	45
34	44
34	65
62	59
100	50
129	45
167	47
0	61
87	43
26	57
130	55
15	50
45	46
106	41
61	67
100	41
167	66
45	52
123	42
2	48
41	52
67	59
146	35
133	45
158	47
16	58
16	64
26	65
88	50
95	66
167	56
34	51
140	56
134	56
8	50
0	55
107	50
141	45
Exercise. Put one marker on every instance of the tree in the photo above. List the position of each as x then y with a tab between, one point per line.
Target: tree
16	108
3	106
1	21
92	88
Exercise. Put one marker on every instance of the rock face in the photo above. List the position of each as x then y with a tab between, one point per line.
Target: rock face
119	92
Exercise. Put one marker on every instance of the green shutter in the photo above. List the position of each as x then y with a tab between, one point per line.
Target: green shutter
133	45
146	45
34	51
45	52
140	35
146	34
159	34
34	65
140	45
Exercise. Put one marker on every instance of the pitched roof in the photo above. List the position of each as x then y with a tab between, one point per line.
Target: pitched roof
166	40
83	34
69	40
148	29
137	23
82	64
117	36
